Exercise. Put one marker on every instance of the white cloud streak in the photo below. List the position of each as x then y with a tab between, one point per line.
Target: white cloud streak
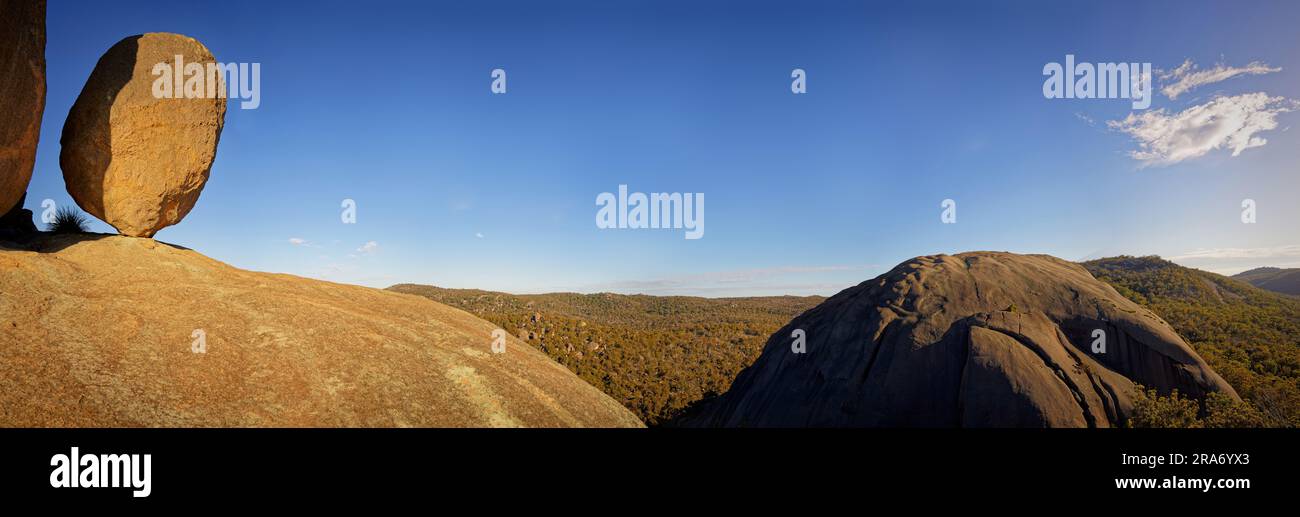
1289	251
1233	123
739	282
1188	76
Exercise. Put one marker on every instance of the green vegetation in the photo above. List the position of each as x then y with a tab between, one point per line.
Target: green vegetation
1151	409
660	355
1249	335
68	220
657	355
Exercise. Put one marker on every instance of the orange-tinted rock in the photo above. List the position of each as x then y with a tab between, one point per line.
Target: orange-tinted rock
136	161
102	331
22	94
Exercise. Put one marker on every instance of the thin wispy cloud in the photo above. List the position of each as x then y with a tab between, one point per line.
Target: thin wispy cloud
1232	123
352	273
1289	251
714	291
298	241
749	275
1188	76
740	282
368	248
1229	261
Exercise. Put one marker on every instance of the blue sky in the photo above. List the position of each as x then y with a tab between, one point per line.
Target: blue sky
906	105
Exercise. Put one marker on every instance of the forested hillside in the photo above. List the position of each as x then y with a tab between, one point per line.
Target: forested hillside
655	354
1249	335
659	355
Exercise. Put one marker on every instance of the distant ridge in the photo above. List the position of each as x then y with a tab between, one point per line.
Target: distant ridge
1285	281
1249	335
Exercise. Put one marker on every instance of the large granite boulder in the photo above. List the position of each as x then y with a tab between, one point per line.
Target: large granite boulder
22	94
134	159
974	340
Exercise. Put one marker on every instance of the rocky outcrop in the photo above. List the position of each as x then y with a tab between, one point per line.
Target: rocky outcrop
974	340
22	94
17	223
130	158
110	331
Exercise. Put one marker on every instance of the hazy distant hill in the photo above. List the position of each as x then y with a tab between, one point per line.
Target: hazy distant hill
1286	281
655	354
1248	335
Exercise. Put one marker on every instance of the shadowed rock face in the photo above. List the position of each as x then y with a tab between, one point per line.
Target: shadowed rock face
974	340
100	330
22	94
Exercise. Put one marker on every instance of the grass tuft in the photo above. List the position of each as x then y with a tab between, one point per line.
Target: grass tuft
68	220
